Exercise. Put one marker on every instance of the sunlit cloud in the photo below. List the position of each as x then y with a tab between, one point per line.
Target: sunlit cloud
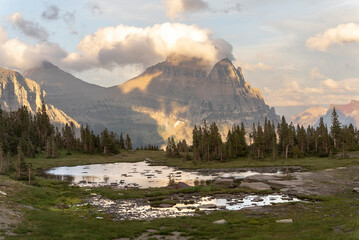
175	8
328	91
111	47
344	33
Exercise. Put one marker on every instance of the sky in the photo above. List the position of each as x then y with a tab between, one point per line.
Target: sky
297	52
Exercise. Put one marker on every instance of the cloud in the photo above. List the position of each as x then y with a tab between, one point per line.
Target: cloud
29	28
254	67
177	7
329	91
95	8
69	17
315	74
111	47
344	33
16	54
51	13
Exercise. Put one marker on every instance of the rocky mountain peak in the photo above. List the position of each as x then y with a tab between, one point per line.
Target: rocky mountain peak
224	72
17	91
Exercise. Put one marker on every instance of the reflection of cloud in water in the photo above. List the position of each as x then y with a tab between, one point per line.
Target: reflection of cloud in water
139	174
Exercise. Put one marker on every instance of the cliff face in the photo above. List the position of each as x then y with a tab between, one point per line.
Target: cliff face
166	100
17	91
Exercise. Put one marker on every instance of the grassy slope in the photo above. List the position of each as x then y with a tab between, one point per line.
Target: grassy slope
311	220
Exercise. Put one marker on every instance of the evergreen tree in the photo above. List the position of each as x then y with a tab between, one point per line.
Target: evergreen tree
335	129
128	142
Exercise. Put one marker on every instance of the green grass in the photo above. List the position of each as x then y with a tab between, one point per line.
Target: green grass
310	163
77	158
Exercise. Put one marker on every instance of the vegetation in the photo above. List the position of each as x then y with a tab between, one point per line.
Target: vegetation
285	140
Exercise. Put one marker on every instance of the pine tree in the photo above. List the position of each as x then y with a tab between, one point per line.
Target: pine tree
335	129
21	165
128	142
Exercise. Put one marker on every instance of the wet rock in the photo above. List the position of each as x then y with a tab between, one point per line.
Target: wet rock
256	186
221	182
208	206
222	221
165	205
284	221
257	199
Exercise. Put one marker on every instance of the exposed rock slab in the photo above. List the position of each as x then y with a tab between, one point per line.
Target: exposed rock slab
256	186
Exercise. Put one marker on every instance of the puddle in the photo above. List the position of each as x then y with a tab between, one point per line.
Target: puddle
136	175
141	210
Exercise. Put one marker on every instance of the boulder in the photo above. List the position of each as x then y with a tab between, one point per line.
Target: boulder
356	190
222	221
256	186
223	182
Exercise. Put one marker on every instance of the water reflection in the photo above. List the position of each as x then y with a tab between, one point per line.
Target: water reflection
141	210
136	175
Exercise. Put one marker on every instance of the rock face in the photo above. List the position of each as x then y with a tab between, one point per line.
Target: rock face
166	100
17	91
309	116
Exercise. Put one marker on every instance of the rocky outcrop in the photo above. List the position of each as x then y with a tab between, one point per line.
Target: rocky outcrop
17	91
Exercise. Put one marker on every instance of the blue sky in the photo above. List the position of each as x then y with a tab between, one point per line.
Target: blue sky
298	52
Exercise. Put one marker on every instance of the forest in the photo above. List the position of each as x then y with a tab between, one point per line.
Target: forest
23	134
268	141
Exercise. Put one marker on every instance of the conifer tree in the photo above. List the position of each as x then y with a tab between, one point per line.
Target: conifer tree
128	142
335	129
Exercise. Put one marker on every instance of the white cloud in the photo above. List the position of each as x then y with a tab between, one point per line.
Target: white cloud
110	47
177	7
344	33
330	84
29	28
19	55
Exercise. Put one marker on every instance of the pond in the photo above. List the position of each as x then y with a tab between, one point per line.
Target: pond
142	210
137	175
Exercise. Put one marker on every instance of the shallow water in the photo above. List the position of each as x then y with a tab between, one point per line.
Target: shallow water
139	174
137	210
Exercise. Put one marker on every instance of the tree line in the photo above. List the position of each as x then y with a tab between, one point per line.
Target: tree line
23	134
262	141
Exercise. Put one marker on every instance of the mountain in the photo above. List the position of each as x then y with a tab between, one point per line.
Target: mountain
309	116
347	114
167	99
179	93
17	91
